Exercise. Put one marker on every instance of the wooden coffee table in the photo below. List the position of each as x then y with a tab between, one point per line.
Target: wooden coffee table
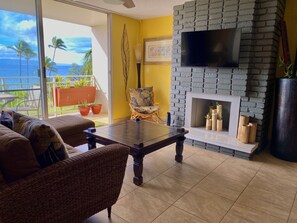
141	137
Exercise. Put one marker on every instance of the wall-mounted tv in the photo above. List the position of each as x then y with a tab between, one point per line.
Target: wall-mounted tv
212	48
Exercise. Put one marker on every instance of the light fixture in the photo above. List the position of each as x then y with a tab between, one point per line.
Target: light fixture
114	2
138	56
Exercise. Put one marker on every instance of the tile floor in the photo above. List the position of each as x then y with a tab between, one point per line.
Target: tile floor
207	187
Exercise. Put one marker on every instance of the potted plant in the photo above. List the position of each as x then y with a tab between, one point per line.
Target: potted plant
283	143
67	94
96	108
84	108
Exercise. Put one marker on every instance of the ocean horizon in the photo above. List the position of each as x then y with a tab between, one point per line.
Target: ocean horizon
10	71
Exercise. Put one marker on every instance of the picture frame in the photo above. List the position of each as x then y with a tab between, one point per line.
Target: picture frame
158	50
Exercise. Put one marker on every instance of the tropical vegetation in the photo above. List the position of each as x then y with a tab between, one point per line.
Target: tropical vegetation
22	48
57	43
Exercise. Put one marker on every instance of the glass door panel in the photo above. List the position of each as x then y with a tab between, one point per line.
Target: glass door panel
20	82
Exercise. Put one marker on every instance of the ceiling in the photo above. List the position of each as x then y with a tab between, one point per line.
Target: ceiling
143	9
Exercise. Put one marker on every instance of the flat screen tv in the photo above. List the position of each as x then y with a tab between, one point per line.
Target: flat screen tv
212	48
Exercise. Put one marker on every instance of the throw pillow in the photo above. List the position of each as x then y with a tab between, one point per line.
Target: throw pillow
46	142
6	119
141	96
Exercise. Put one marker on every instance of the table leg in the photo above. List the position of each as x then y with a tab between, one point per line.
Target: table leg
179	149
91	142
138	168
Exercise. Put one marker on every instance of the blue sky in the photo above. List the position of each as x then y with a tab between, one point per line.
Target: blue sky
15	26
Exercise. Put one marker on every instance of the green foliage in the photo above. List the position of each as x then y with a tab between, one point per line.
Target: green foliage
84	104
289	69
22	95
57	43
50	65
75	69
82	82
87	65
59	81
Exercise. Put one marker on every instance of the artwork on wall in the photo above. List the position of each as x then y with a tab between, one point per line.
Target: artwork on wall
158	50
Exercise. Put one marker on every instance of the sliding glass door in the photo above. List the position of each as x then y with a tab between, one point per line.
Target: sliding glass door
22	79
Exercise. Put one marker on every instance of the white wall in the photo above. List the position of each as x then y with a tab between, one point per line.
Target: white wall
100	64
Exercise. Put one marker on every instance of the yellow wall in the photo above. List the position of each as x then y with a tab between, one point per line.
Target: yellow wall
120	106
158	76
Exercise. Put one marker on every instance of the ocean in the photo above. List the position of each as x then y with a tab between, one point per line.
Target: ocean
10	73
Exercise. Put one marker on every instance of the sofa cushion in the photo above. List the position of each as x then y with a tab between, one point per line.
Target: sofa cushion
17	158
71	128
6	119
46	142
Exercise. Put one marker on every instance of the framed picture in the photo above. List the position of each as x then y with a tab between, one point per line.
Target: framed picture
158	50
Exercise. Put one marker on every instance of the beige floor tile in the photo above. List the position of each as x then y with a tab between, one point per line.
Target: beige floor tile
165	188
127	188
152	167
169	151
218	156
250	164
293	214
203	162
176	215
185	172
236	172
205	205
139	207
102	217
241	214
130	160
280	168
274	184
223	186
268	202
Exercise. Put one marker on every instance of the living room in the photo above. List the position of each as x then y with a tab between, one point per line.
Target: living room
213	183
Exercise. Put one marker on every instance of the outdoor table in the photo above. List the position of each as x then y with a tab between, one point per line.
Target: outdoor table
7	98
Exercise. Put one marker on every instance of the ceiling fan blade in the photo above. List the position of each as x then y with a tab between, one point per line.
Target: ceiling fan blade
129	4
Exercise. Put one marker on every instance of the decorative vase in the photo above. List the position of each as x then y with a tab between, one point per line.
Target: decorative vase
253	132
96	109
208	124
244	134
219	125
243	120
284	144
214	120
84	111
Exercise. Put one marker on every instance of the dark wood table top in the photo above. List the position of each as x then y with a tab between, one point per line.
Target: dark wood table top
137	134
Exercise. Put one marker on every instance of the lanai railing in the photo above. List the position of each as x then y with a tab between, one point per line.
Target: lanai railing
27	88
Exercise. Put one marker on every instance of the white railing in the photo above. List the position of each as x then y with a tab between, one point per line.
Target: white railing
12	84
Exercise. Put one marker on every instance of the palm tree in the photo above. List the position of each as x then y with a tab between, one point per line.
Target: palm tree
28	53
87	66
57	43
20	48
50	65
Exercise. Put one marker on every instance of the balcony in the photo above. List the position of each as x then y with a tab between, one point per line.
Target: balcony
24	95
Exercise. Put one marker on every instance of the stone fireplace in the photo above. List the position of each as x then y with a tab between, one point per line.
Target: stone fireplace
252	82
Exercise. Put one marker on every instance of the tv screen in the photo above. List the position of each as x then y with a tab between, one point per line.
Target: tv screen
213	48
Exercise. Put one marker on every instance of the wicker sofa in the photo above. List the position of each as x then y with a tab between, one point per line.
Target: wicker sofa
67	191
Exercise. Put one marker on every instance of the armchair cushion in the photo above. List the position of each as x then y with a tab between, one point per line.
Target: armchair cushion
146	109
141	96
47	144
17	158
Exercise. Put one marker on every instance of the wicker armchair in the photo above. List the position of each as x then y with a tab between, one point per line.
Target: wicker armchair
142	104
68	191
